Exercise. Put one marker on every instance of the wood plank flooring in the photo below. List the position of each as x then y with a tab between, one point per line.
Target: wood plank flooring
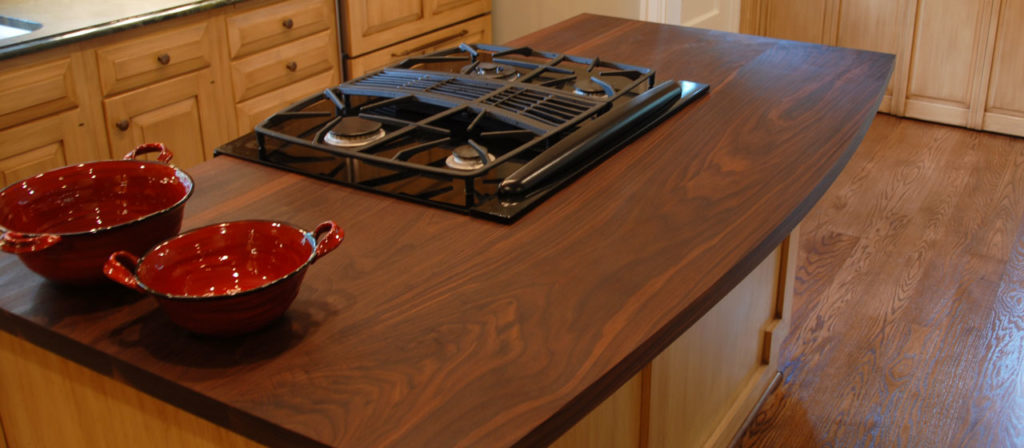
908	321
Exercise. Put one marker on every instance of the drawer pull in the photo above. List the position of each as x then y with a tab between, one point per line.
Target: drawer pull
287	23
292	66
164	58
122	125
432	43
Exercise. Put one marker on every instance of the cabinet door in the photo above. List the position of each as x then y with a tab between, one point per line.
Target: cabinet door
947	59
179	113
42	145
1004	108
374	24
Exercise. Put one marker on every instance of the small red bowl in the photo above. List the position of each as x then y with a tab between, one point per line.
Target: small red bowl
226	279
64	223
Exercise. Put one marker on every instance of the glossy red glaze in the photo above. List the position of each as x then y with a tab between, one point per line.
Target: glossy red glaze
229	278
64	223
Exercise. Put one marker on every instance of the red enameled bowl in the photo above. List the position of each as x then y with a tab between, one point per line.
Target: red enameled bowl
64	223
229	278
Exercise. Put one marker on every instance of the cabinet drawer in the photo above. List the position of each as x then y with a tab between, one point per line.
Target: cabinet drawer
473	31
280	66
36	91
252	112
373	25
154	57
260	29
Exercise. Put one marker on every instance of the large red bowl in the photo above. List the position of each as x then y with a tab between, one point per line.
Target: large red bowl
226	279
64	223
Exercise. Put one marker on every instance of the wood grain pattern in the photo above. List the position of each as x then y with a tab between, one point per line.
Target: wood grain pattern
429	328
907	322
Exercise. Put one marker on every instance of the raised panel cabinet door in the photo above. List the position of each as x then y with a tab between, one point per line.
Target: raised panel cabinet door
947	59
253	111
1004	109
177	113
876	25
259	29
802	20
42	145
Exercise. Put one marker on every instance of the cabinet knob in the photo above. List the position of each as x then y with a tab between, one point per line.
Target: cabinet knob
164	58
287	23
292	66
122	125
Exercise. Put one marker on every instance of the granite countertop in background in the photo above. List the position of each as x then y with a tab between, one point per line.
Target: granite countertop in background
66	21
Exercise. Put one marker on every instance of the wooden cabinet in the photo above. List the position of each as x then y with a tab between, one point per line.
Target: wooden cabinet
695	394
163	84
179	112
47	119
957	62
374	24
280	54
471	31
379	32
193	83
1004	102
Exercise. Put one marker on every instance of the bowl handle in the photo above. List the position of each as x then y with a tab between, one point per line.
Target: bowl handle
115	269
328	236
146	148
20	243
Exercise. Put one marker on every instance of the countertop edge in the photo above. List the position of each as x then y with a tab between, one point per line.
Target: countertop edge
599	391
69	37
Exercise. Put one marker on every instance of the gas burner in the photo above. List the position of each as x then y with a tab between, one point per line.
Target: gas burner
493	70
466	158
587	87
353	132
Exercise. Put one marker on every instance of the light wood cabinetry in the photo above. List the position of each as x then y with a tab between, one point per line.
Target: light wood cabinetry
1004	103
179	112
377	33
471	31
371	25
47	119
957	62
701	390
280	54
192	83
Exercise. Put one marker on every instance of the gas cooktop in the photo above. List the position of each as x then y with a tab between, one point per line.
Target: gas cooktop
479	129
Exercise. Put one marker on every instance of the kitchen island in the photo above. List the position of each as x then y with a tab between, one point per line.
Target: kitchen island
429	328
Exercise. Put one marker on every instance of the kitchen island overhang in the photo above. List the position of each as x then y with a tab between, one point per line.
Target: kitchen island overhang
430	328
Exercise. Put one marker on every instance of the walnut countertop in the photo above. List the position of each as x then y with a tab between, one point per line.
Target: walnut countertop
428	328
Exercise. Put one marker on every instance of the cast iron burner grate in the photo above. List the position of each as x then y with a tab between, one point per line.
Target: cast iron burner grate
444	129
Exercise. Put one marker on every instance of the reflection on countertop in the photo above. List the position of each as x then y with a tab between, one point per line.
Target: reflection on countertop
66	21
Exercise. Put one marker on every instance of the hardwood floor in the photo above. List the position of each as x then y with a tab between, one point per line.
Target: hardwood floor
908	322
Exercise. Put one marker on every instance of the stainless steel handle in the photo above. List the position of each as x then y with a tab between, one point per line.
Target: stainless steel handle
432	43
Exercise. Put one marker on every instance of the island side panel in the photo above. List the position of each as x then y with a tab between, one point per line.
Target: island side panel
46	400
702	389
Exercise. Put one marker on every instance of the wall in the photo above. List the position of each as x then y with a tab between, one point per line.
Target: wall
514	18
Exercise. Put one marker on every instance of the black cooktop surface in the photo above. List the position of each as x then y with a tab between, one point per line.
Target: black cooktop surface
479	129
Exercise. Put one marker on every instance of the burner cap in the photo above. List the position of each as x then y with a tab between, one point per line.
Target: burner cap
354	132
588	87
493	70
465	157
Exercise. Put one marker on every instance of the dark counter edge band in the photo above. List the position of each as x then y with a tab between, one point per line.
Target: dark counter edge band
48	42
